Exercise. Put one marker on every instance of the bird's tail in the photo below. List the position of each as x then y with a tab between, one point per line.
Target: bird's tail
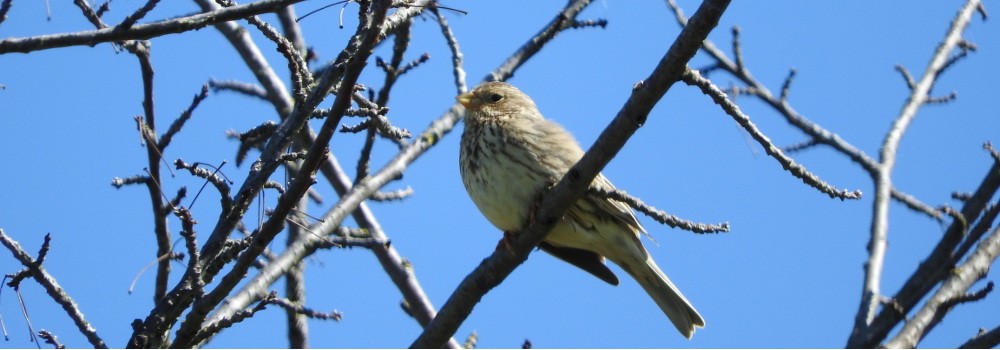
665	294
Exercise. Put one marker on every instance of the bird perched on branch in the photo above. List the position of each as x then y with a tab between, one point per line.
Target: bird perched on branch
510	154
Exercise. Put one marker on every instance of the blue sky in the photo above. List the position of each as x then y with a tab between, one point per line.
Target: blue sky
788	275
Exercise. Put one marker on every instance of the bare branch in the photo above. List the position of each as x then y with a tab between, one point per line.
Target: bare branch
52	288
659	215
694	78
302	310
292	31
952	292
787	86
983	340
871	290
916	205
295	280
554	203
738	49
137	15
936	266
4	8
301	76
965	48
352	196
456	53
392	196
799	147
214	328
938	100
131	180
193	272
577	24
756	88
142	31
388	257
176	126
368	31
907	78
50	339
212	177
239	87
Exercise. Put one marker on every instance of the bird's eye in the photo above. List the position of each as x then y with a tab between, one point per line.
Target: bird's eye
496	97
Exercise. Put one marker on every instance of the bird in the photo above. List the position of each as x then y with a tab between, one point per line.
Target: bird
509	154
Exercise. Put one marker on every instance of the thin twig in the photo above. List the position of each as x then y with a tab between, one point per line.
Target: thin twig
302	310
694	78
53	289
214	328
456	52
178	123
659	215
137	15
393	195
50	339
248	89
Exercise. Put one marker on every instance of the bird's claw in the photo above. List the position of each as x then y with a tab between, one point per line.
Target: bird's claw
507	242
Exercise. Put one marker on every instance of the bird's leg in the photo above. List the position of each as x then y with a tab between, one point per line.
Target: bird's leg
507	242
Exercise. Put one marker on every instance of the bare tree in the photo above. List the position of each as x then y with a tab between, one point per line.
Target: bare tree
230	269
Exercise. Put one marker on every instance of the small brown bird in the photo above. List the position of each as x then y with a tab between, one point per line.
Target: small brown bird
510	154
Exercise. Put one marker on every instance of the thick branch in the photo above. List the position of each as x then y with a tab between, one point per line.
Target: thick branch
983	340
492	271
954	288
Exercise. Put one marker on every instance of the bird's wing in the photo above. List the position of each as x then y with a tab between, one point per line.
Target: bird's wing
584	259
618	210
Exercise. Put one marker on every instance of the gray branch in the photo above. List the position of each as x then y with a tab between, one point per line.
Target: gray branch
142	31
953	288
554	203
872	290
53	289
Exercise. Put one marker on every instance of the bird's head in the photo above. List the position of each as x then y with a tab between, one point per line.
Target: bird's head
497	99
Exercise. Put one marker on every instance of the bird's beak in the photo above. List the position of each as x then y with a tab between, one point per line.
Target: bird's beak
465	99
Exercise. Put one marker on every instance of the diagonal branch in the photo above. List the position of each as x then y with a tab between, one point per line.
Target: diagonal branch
932	269
368	30
983	340
554	203
53	289
388	257
871	291
953	288
353	196
692	77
